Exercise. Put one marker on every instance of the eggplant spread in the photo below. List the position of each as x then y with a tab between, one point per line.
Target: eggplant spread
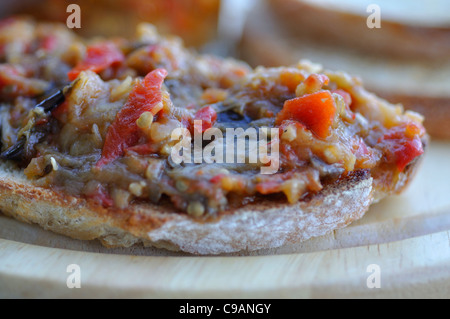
117	121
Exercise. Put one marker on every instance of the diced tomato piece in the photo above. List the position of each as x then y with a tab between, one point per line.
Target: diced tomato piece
315	111
99	57
403	144
208	116
405	151
124	132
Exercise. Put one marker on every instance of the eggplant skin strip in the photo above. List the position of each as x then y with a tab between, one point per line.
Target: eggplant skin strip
50	103
24	146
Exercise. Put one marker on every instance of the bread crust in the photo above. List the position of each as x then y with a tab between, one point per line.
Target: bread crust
264	224
394	38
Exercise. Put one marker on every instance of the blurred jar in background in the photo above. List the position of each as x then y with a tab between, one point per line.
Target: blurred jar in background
195	21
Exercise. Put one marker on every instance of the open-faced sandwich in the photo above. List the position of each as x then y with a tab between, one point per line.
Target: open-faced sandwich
141	141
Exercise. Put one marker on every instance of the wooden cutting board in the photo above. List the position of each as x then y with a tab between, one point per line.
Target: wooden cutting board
402	243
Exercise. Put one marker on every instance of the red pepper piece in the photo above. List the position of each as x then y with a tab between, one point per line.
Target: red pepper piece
99	57
208	116
124	132
403	144
315	111
142	149
407	152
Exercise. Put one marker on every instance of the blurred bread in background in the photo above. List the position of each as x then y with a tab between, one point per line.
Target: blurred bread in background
408	28
406	60
195	21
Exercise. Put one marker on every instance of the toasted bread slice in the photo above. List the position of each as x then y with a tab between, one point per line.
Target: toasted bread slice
94	160
262	225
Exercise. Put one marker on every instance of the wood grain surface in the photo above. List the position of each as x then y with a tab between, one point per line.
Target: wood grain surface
406	236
